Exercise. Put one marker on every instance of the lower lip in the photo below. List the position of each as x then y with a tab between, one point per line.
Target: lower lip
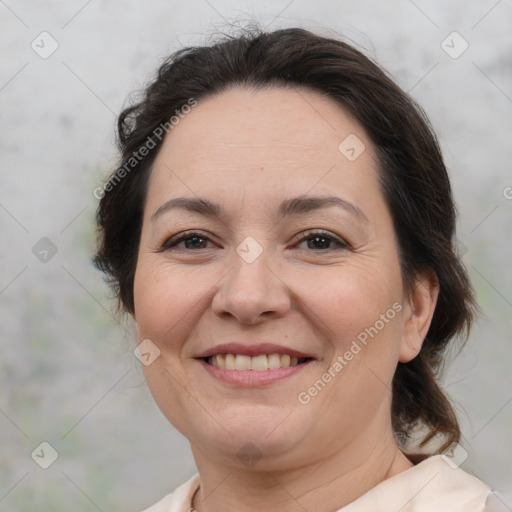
252	378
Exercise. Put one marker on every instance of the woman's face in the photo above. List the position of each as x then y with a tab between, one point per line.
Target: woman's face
274	276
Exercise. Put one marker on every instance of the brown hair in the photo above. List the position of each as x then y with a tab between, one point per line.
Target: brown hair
412	176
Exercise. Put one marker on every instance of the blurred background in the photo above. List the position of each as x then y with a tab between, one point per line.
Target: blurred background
68	376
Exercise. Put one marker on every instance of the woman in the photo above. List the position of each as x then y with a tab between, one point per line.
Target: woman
280	227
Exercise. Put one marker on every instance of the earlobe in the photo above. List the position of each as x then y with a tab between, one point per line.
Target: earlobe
419	313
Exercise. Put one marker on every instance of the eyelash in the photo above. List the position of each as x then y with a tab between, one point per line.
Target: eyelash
305	235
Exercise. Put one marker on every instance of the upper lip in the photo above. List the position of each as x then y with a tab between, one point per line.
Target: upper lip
253	349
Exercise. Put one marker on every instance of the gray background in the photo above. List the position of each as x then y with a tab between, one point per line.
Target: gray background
67	372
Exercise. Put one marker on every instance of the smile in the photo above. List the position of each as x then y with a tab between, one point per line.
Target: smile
252	363
259	362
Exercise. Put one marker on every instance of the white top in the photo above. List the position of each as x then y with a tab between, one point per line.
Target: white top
433	485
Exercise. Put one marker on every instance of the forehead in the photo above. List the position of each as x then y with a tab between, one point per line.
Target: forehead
300	118
293	139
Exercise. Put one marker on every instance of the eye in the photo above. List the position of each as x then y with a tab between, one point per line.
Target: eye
192	240
321	239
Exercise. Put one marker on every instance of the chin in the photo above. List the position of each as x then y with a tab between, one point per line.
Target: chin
257	438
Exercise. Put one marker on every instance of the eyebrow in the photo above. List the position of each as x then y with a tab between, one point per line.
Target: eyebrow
289	207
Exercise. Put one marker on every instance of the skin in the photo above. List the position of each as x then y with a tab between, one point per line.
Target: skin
248	150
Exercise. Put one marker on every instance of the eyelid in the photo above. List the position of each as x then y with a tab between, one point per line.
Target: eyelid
319	231
179	237
171	242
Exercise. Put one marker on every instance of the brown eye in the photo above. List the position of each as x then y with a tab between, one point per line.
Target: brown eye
320	240
192	241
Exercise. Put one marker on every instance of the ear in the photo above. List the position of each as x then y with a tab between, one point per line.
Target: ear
418	315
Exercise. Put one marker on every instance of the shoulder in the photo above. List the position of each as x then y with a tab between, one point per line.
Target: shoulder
443	484
433	484
179	500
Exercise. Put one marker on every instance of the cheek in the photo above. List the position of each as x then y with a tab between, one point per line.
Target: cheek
165	302
352	298
362	309
164	299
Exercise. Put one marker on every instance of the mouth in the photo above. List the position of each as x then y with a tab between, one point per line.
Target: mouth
244	365
260	362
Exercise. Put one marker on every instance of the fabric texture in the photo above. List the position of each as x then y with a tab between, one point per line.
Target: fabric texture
433	485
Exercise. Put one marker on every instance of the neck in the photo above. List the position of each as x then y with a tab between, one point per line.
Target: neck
323	485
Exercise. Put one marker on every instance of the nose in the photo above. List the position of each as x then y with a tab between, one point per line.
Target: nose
252	292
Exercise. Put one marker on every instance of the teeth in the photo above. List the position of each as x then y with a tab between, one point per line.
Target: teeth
273	361
242	362
230	362
260	362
